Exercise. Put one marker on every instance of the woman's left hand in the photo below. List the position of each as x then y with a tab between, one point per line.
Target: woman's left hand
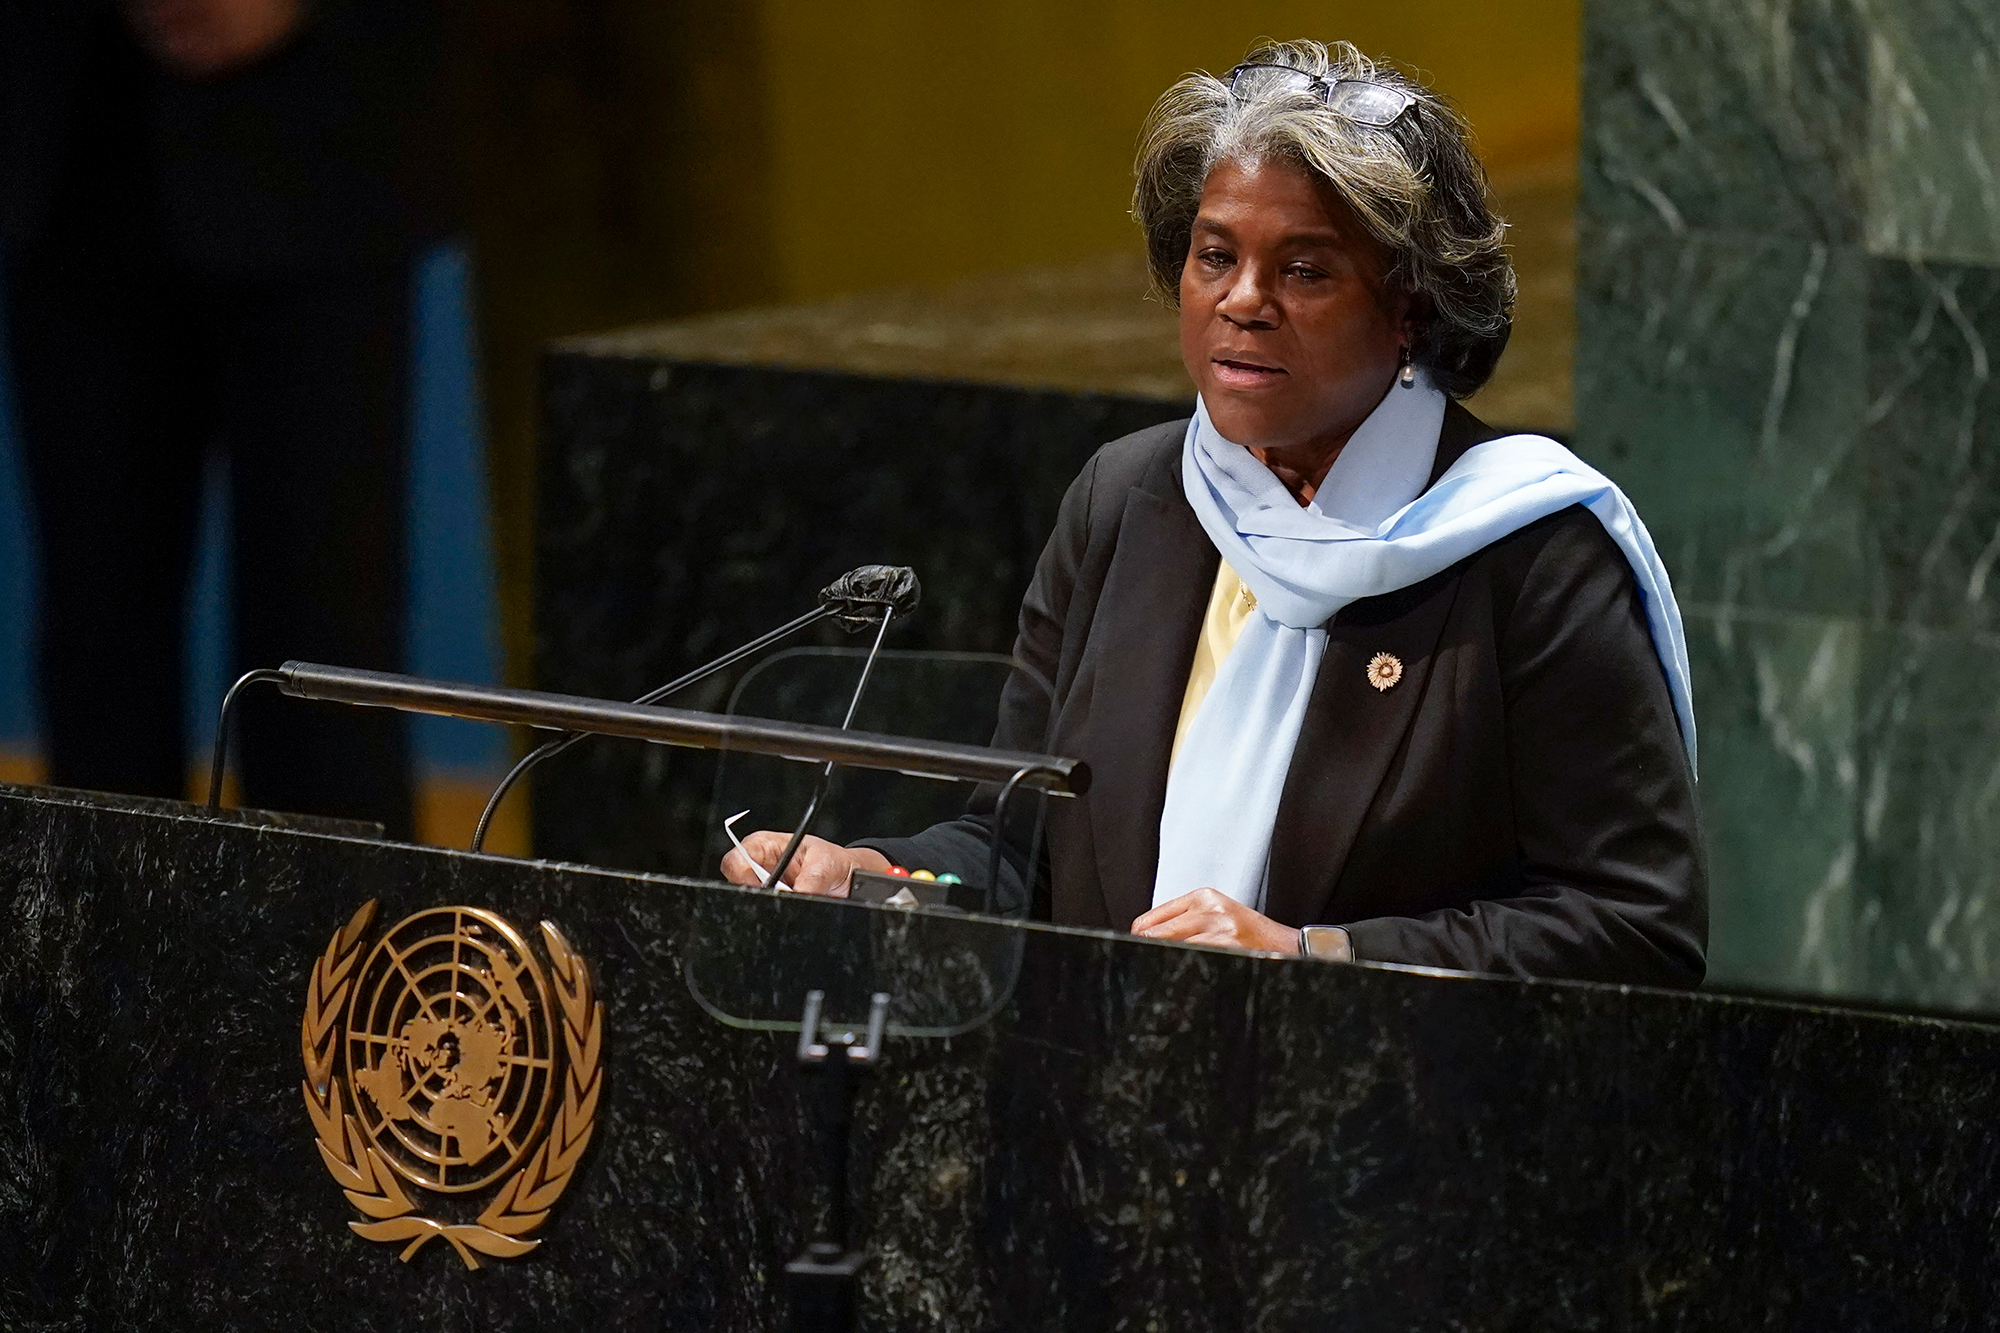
1208	916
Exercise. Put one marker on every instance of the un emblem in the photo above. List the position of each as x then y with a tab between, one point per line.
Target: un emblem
467	1069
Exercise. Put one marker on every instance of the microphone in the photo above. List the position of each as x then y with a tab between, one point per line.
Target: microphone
855	600
863	596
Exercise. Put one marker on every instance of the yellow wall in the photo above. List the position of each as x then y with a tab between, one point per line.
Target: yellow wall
918	140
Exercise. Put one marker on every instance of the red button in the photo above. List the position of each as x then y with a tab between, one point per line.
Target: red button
898	870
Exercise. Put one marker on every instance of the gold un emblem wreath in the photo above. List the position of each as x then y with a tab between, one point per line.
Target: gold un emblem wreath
437	1068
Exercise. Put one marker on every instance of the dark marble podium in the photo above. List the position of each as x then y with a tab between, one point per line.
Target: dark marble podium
1140	1136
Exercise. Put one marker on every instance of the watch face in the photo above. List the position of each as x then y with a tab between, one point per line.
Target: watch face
1329	942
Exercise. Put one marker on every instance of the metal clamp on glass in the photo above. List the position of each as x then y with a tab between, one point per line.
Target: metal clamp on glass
822	1279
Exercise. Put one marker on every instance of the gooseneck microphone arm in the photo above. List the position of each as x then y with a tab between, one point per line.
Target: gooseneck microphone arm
550	749
825	781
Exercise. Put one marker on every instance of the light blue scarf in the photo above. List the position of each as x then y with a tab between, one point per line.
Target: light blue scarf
1368	532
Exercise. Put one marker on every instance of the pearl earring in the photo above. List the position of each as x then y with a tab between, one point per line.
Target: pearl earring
1408	375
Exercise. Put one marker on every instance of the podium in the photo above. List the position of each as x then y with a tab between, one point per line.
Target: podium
1119	1134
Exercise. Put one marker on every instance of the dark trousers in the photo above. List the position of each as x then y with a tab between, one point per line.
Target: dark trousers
126	376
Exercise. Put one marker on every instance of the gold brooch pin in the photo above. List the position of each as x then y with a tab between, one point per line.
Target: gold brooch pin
1384	670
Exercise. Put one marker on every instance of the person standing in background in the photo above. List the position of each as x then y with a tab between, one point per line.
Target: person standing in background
210	211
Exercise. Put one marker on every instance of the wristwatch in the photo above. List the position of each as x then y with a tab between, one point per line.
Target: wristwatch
1326	942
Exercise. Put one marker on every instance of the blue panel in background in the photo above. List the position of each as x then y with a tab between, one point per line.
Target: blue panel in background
454	609
454	618
209	637
17	576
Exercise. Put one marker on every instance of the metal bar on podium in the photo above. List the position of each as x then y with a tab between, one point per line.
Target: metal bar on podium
684	727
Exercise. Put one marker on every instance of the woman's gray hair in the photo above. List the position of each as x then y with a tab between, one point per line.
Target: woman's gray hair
1415	185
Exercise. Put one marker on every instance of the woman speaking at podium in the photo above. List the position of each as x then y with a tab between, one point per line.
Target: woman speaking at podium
1356	676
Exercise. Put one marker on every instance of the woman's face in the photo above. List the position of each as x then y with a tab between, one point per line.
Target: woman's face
1288	327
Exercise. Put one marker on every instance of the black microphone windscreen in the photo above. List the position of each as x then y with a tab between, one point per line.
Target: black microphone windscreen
860	594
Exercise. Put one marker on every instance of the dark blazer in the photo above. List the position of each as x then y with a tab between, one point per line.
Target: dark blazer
1519	802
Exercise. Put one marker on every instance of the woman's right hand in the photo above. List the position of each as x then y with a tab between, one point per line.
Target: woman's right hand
819	867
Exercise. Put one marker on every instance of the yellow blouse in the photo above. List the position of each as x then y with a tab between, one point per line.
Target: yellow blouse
1229	608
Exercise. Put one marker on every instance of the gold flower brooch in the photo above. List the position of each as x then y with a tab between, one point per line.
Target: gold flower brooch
1384	670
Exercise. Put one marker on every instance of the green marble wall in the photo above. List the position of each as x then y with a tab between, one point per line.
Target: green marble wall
1788	305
